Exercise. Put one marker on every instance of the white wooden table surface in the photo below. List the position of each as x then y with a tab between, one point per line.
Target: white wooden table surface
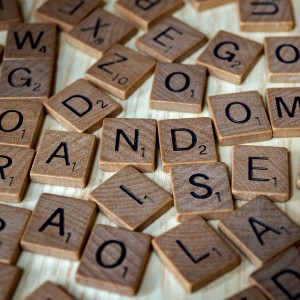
158	282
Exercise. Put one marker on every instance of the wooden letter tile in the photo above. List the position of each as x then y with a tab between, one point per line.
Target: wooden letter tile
13	221
9	13
59	226
208	4
251	293
48	291
261	15
26	79
20	122
201	190
260	170
280	279
195	253
15	163
171	41
128	142
145	13
30	41
230	57
239	118
120	71
81	107
178	87
10	276
131	200
64	158
186	142
283	112
114	260
99	32
260	230
66	14
283	58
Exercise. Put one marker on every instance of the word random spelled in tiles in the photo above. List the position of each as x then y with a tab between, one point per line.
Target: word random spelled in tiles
65	14
120	71
239	118
186	142
9	13
128	142
201	189
260	170
13	221
147	13
63	158
230	57
178	87
10	276
171	41
114	260
131	200
280	278
261	15
260	230
59	226
207	4
250	293
99	32
81	107
195	253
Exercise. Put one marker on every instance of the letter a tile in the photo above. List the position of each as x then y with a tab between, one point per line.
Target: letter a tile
131	200
230	57
186	142
81	107
64	158
10	276
9	13
280	279
114	260
251	293
260	230
195	253
260	170
59	226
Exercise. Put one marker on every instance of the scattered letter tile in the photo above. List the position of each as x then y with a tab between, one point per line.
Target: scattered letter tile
251	293
9	13
10	276
208	4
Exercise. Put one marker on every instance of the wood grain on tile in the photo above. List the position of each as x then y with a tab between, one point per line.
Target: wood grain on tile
250	293
208	4
10	276
9	13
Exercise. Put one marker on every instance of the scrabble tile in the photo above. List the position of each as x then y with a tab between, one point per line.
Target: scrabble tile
171	41
178	87
283	58
250	293
284	116
260	230
66	14
201	190
30	41
59	226
81	107
145	13
260	170
120	71
195	253
9	13
20	122
49	290
10	276
15	163
13	221
208	4
64	158
128	142
139	200
26	79
239	118
230	57
99	32
114	260
186	142
280	278
264	15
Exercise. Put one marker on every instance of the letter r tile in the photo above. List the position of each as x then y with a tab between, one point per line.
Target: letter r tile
260	230
195	253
